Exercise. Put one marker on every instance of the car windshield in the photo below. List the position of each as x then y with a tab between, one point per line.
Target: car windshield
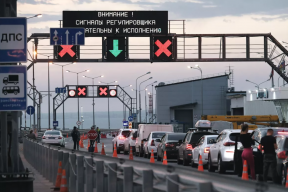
52	133
125	133
196	136
176	137
157	135
211	139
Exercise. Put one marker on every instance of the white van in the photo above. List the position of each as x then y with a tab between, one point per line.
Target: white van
144	130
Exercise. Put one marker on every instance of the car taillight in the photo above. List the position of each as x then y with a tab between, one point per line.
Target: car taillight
121	138
206	149
152	143
229	144
189	147
43	137
260	148
281	155
59	137
169	145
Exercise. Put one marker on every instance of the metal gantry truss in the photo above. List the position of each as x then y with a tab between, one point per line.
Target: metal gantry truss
122	95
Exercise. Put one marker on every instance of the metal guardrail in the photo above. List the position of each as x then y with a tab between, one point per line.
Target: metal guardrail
85	171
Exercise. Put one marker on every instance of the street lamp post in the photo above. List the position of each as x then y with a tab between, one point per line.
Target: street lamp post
49	63
108	101
136	91
38	15
63	92
140	96
257	85
77	86
198	68
93	94
146	99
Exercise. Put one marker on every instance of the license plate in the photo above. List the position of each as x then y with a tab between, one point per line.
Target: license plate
51	137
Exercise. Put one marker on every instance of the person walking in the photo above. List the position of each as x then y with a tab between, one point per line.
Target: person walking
99	134
268	144
31	135
76	137
247	142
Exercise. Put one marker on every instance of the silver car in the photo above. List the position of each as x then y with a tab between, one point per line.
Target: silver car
53	137
202	148
152	142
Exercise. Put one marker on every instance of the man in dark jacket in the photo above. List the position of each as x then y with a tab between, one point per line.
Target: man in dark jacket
99	134
31	135
76	137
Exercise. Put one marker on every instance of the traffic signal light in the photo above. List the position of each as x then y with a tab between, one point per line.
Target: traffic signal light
116	49
103	91
72	93
113	92
82	91
163	48
66	53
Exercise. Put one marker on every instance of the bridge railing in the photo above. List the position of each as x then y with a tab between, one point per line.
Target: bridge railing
88	171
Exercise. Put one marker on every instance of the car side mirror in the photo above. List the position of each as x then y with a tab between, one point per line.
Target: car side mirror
180	141
158	140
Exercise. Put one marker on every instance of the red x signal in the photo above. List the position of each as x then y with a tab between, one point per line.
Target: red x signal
163	48
103	91
81	91
67	49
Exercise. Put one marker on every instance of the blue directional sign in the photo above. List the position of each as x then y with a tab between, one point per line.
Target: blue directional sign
130	118
125	123
60	90
67	36
30	110
55	123
13	87
13	40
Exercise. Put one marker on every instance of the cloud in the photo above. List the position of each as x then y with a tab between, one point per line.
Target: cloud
209	6
271	18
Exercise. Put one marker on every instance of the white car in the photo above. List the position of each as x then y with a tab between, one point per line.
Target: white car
202	148
53	137
152	142
130	141
120	138
221	154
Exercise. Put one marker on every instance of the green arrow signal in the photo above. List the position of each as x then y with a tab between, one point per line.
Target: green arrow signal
115	50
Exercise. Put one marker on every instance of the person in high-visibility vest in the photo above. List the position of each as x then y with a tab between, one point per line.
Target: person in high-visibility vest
99	134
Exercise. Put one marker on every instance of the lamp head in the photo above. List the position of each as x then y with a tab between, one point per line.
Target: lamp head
39	15
67	71
84	76
50	63
148	72
150	77
102	75
247	80
188	67
130	85
87	70
99	82
116	81
73	63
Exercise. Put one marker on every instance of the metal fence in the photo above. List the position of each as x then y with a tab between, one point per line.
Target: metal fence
87	172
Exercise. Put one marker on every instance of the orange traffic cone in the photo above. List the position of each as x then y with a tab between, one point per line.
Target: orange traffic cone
287	180
67	135
131	154
200	164
58	178
95	149
103	150
245	171
152	160
81	144
115	151
165	159
63	187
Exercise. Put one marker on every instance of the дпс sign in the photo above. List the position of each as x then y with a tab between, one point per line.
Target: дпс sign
121	23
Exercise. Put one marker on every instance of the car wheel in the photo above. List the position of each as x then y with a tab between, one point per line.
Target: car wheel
179	161
192	162
185	161
221	166
210	165
149	155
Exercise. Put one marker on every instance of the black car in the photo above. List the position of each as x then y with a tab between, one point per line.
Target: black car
169	143
189	143
281	135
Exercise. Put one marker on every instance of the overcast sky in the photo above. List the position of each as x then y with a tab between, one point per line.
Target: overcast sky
202	16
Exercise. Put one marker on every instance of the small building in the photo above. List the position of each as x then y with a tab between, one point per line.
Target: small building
181	103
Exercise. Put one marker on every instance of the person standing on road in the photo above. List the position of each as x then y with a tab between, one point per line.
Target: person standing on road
75	136
31	135
99	134
268	143
247	142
